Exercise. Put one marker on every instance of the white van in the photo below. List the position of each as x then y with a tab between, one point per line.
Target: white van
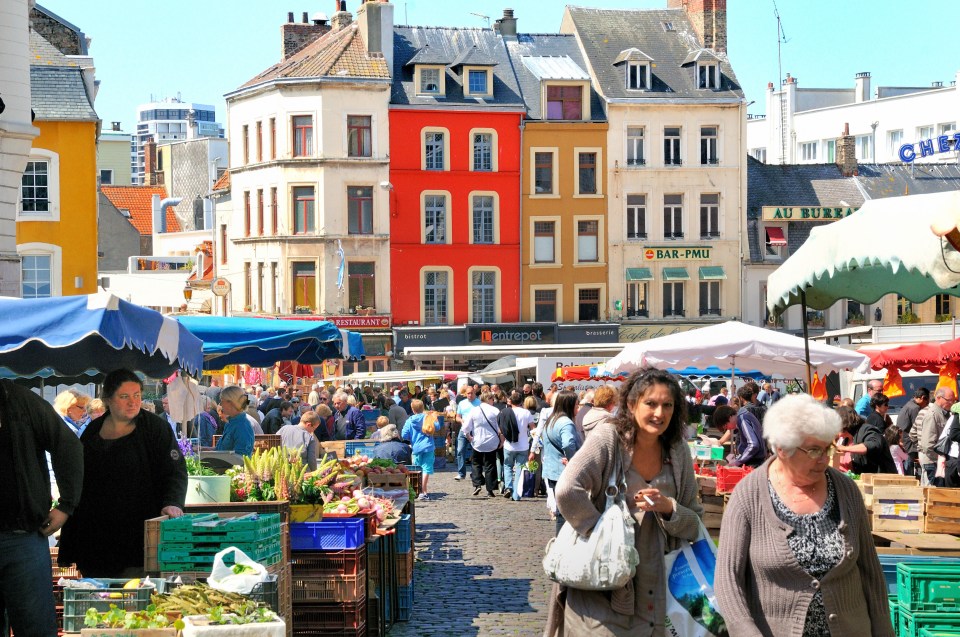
854	385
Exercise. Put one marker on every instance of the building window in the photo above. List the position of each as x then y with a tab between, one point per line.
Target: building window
637	299
673	298
760	154
829	151
673	216
260	271
635	154
433	151
587	171
588	306
671	146
854	313
925	132
775	242
435	298
259	141
947	128
34	191
588	241
482	151
435	219
36	275
273	138
361	277
708	146
274	283
303	136
636	216
477	82
430	81
708	76
483	292
543	173
106	177
905	312
637	76
564	102
273	211
260	212
359	136
709	298
483	219
246	214
360	209
303	210
894	141
304	285
223	243
545	306
709	216
942	307
245	136
247	286
808	151
544	241
864	147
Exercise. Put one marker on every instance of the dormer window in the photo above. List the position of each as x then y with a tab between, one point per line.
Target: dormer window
478	81
637	69
638	75
430	80
564	102
708	75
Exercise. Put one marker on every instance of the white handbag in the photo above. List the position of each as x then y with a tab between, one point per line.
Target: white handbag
605	560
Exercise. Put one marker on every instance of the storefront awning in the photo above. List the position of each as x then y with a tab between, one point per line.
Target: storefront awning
712	273
675	274
775	236
639	274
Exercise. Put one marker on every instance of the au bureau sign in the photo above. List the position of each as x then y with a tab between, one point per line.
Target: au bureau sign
806	213
679	253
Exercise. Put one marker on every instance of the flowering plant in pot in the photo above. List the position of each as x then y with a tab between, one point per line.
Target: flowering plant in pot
203	484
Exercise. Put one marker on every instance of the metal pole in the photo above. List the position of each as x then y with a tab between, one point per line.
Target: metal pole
806	340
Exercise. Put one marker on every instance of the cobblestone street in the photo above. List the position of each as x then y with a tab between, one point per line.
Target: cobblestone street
478	569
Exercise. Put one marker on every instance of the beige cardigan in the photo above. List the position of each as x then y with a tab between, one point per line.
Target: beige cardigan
763	591
581	499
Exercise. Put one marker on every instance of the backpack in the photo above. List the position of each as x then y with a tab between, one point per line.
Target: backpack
429	426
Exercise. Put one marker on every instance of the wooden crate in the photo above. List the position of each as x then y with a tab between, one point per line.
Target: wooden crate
388	480
869	481
260	441
707	485
713	506
337	448
898	508
942	511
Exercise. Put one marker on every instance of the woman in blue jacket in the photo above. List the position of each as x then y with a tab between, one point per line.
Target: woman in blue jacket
422	443
237	432
560	440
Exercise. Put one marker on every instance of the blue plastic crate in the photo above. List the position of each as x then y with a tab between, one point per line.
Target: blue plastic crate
403	539
404	601
440	462
328	535
363	446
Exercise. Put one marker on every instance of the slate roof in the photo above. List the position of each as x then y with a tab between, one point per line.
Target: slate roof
42	53
340	53
532	52
139	201
605	33
58	93
895	180
450	45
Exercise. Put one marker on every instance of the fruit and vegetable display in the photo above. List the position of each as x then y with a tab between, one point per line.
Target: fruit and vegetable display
358	502
363	465
116	617
280	474
220	606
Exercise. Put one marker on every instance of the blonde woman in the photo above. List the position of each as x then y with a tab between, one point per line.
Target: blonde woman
237	432
72	407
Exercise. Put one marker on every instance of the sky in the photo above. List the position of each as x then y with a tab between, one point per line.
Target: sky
201	49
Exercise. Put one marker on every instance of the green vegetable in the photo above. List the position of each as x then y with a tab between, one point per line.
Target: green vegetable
383	463
240	569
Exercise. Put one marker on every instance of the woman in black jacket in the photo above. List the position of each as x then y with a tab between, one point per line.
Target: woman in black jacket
870	451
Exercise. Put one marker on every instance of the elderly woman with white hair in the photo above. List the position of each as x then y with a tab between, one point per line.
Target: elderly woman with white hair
796	556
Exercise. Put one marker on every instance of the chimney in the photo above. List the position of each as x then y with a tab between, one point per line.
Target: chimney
342	18
296	35
936	84
847	153
507	25
375	19
150	163
862	87
709	19
115	126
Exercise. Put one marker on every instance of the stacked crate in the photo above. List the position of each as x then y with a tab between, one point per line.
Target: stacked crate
329	573
403	569
928	599
191	542
58	574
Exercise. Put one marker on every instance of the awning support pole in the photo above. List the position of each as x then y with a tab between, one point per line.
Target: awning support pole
806	340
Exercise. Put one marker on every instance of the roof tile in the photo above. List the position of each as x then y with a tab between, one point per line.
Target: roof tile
139	201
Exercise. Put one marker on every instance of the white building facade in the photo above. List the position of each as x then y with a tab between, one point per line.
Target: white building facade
889	124
166	121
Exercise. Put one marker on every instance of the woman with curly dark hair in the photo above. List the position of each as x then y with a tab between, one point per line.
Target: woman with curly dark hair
645	446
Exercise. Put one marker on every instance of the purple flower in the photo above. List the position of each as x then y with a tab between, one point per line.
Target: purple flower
186	449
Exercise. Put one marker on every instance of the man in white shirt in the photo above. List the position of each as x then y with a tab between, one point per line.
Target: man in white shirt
516	438
481	430
464	407
169	418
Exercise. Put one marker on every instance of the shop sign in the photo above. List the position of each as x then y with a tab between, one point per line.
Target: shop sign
637	333
590	333
427	337
806	213
361	322
680	253
220	287
512	334
929	147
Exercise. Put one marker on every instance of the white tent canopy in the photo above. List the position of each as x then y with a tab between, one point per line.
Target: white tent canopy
736	345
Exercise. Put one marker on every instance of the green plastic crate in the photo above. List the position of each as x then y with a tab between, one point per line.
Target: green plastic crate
198	560
76	601
937	632
210	527
911	623
894	611
929	587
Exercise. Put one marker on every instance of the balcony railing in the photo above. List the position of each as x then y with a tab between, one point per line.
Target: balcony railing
710	311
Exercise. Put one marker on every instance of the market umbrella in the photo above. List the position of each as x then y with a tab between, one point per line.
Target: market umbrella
586	372
886	246
353	349
261	342
88	336
733	344
919	357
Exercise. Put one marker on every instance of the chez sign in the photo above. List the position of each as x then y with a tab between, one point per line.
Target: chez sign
929	147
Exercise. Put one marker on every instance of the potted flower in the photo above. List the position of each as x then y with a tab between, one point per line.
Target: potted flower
203	484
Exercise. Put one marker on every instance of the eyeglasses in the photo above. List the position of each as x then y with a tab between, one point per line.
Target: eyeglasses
815	453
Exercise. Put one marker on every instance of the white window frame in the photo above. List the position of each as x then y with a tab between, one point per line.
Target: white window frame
557	255
447	238
494	143
675	156
55	253
639	71
772	252
865	143
423	148
708	232
708	75
829	150
894	141
557	289
712	143
577	151
498	286
637	210
925	132
53	187
555	172
808	151
441	85
601	241
486	70
639	286
676	210
636	154
760	154
450	295
495	196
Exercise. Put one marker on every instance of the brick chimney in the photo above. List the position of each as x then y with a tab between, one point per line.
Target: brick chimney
150	163
847	153
709	19
342	18
296	35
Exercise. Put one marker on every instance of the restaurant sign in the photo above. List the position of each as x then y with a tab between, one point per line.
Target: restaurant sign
679	253
806	213
637	333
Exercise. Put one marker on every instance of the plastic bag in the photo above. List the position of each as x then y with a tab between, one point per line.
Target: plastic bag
524	484
692	609
225	578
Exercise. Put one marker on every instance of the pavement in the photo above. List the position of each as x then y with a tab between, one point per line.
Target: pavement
478	567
